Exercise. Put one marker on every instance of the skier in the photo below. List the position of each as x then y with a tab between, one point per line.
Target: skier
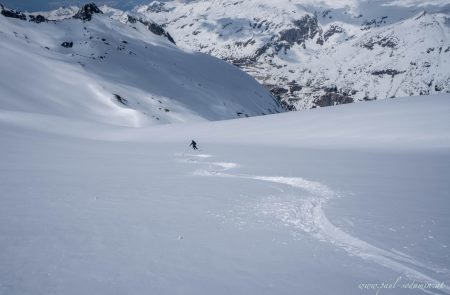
193	145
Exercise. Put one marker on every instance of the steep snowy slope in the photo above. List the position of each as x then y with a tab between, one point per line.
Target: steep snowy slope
346	200
320	53
92	67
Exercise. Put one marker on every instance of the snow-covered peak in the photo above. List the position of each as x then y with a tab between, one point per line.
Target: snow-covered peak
60	13
87	11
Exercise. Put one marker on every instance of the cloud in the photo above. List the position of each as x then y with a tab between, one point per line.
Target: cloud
420	3
40	5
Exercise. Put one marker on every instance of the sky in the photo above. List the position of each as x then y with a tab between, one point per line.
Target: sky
38	5
43	5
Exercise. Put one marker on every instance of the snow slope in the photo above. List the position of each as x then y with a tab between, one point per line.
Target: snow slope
337	200
320	53
105	71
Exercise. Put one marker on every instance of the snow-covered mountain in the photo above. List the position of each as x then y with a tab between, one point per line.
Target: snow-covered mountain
320	53
89	66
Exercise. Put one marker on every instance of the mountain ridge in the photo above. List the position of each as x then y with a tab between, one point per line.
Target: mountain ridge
98	69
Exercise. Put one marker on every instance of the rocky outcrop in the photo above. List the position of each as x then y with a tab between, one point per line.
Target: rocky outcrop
157	30
334	29
383	41
120	99
332	98
131	19
19	15
376	22
278	91
12	13
87	11
151	26
38	19
67	44
304	29
156	7
294	87
389	72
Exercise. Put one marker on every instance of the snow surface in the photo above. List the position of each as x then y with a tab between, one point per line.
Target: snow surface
315	202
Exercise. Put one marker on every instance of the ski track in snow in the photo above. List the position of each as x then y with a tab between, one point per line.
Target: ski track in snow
307	215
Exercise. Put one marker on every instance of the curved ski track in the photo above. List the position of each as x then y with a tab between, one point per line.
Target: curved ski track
307	215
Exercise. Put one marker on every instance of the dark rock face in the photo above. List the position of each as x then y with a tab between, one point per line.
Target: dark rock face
286	105
368	24
246	43
156	7
87	11
19	15
293	87
151	26
241	62
120	99
157	30
332	98
12	13
305	28
332	31
37	19
131	19
389	72
261	51
277	91
67	44
388	41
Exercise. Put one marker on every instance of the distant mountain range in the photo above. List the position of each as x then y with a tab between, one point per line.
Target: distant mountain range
320	53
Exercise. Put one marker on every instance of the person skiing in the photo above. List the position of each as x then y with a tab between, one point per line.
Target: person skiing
193	145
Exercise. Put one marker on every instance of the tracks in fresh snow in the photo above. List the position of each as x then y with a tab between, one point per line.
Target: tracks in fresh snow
304	213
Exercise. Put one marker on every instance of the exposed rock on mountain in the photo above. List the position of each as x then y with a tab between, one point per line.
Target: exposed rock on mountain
87	11
157	30
132	18
37	19
67	44
305	29
12	13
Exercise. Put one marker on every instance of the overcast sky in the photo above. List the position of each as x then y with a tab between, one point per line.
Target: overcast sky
36	5
42	5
